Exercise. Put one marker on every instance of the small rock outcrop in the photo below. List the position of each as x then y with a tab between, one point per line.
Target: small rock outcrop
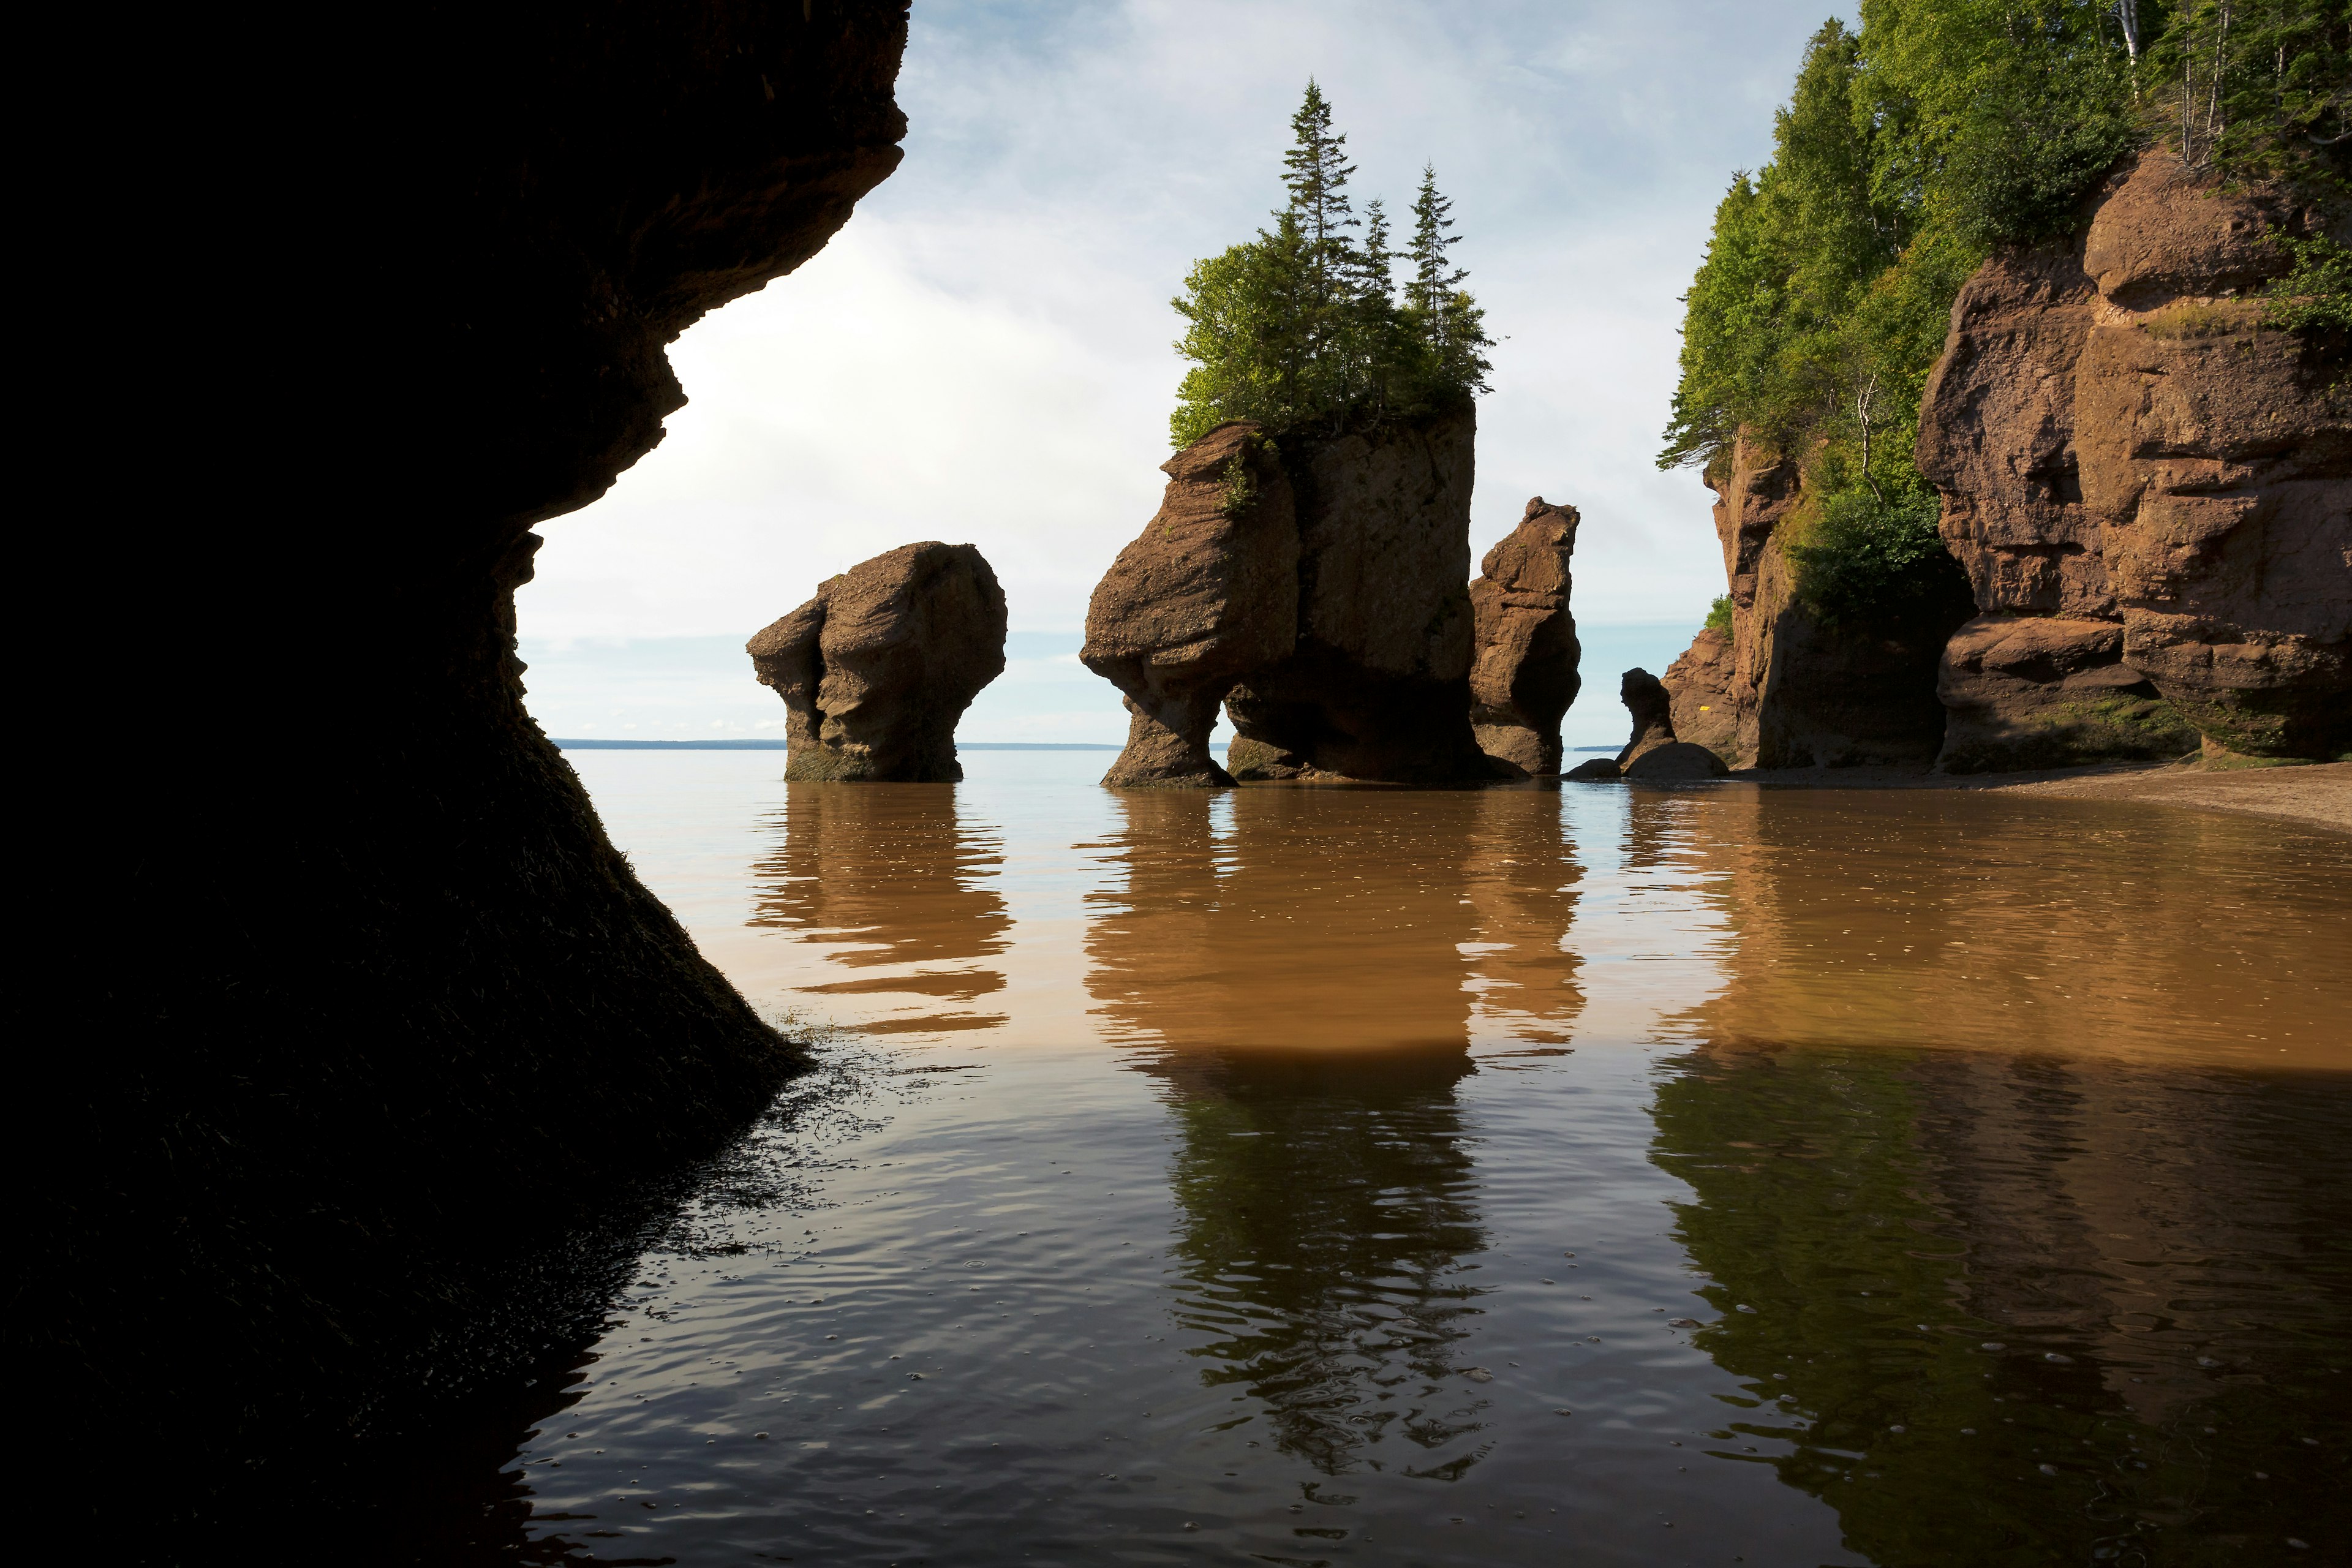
1699	682
1653	751
1206	594
1523	673
875	671
1321	588
2129	457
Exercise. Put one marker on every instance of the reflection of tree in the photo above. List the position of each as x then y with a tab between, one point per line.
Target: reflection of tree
2156	1256
893	870
1325	1200
2155	1251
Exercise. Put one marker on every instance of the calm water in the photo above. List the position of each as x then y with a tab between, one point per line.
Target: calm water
1505	1177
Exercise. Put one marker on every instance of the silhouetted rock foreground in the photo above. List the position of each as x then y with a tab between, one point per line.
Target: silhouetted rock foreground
1318	587
875	670
1523	676
401	1013
2151	492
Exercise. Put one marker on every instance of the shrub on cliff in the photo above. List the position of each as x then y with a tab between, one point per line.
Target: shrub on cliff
1305	328
1907	152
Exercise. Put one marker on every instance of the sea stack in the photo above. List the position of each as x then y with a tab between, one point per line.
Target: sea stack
1699	682
1377	685
877	669
1523	673
2150	489
1207	594
1320	588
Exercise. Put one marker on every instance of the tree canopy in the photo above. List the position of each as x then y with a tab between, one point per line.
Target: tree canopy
1305	329
1907	152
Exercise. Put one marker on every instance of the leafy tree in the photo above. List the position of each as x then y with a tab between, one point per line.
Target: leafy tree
1911	149
1301	328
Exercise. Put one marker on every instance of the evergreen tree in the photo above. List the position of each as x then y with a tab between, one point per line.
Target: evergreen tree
1300	329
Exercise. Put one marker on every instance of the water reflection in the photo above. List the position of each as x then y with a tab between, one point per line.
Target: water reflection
1937	917
2019	1306
1333	921
900	886
1325	1209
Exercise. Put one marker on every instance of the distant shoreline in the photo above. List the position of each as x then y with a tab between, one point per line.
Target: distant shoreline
564	744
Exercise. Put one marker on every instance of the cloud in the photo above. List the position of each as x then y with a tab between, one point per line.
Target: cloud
984	353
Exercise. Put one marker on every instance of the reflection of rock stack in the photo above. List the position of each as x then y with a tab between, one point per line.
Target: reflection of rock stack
895	873
875	670
1319	590
1521	885
1325	1200
1299	926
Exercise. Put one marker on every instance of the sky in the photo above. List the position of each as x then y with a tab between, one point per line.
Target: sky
984	353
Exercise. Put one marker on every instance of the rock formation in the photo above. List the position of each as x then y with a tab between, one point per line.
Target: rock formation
877	669
1377	686
1800	693
2161	485
1523	669
1356	666
1653	751
413	1015
1699	682
1206	594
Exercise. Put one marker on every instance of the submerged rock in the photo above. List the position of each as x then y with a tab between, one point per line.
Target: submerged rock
1207	594
875	671
1523	675
2118	440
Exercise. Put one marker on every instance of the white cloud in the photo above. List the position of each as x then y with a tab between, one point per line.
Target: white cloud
982	354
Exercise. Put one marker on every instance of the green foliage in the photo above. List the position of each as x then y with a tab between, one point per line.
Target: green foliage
1869	563
1719	615
2316	297
2251	85
1301	328
1908	151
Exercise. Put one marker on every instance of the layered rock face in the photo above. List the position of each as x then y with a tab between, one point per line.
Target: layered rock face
1207	594
1699	683
1523	673
413	1014
875	671
1800	693
1377	685
1319	590
2129	458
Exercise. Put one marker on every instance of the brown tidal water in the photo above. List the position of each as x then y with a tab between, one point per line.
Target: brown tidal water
1506	1176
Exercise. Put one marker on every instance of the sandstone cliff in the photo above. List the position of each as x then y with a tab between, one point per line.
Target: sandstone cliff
875	671
1523	674
414	1012
1800	692
1320	589
2151	492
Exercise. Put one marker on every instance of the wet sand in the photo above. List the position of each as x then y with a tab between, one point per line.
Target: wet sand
2314	795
